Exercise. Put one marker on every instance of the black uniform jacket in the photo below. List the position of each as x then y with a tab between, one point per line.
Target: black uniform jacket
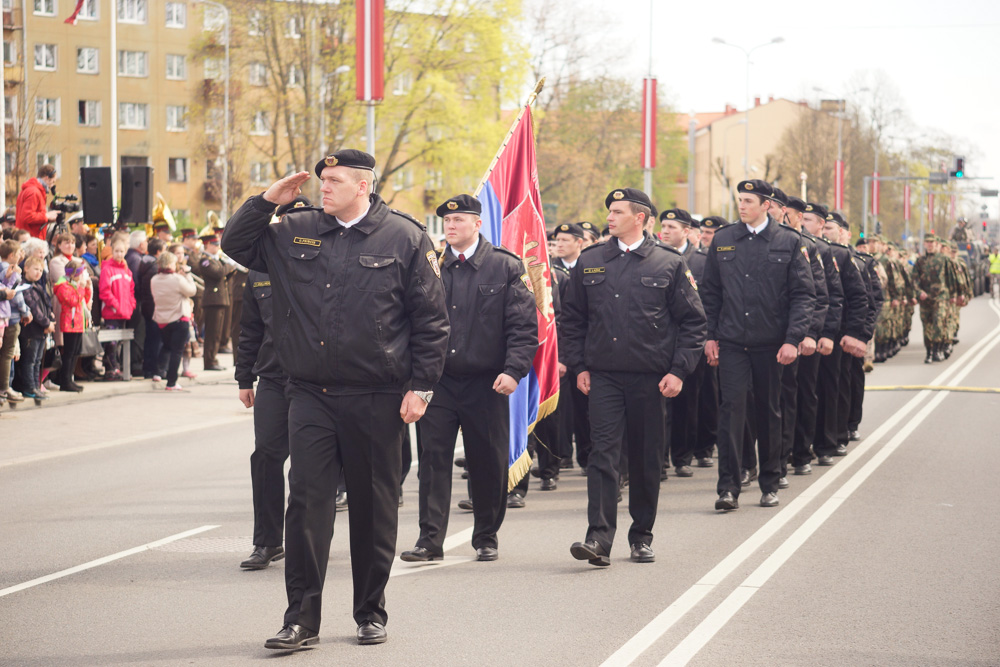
356	310
635	312
696	262
834	318
494	322
758	289
855	310
822	302
255	356
869	276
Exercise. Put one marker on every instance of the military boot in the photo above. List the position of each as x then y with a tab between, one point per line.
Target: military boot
930	354
939	352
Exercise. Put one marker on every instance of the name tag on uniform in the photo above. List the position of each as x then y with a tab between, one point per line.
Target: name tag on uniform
725	248
596	269
263	283
304	241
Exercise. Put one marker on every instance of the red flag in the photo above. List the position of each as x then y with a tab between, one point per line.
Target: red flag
76	12
930	209
649	123
369	61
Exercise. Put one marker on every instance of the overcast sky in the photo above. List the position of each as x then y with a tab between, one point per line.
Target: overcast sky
943	56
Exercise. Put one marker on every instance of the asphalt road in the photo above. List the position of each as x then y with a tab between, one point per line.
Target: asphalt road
123	522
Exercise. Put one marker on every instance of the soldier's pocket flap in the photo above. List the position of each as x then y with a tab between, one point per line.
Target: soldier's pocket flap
593	279
303	252
376	261
490	289
660	282
779	256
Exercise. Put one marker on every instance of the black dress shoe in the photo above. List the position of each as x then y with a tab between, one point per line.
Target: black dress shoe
583	471
515	501
419	555
783	483
487	554
825	461
341	502
684	471
803	469
642	553
215	368
292	638
727	502
465	505
371	632
592	552
262	557
460	462
745	478
853	436
566	463
535	471
465	474
706	462
769	500
663	475
548	485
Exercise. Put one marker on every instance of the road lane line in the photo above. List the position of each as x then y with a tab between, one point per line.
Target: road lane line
132	439
401	568
103	561
656	628
717	619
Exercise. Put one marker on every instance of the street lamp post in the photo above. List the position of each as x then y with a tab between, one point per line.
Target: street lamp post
225	112
747	52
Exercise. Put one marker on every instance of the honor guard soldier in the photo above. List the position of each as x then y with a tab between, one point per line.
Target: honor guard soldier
758	297
494	336
634	328
708	396
215	301
361	331
591	234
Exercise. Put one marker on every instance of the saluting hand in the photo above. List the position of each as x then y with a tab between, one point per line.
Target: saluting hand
787	354
413	408
670	385
246	397
504	385
287	189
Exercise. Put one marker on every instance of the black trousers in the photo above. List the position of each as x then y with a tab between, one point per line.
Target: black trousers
857	393
846	392
625	409
360	434
548	436
267	463
828	403
576	419
808	406
708	410
173	338
789	410
740	371
749	460
683	426
70	351
471	404
214	318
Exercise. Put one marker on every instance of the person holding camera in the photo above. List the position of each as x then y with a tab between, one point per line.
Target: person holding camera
31	211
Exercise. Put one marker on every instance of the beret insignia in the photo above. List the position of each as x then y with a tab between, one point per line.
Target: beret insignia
671	215
330	161
748	186
452	205
618	194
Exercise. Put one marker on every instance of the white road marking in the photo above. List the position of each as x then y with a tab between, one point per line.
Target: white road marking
401	568
103	561
656	628
132	439
717	619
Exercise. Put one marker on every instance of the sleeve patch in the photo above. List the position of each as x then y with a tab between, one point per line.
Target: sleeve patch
805	253
205	262
691	279
432	259
527	282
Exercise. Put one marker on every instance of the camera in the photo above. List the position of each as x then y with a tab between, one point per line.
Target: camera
65	204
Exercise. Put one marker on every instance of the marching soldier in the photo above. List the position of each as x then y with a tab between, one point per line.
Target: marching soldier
494	336
216	298
634	330
708	397
852	393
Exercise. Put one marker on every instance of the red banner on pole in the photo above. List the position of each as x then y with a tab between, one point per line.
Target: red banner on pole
649	123
906	203
838	185
875	192
369	56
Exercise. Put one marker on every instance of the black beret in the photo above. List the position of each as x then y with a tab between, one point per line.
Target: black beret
779	196
298	202
629	194
839	219
551	236
756	187
860	242
590	228
348	157
570	228
714	222
460	204
796	204
817	209
677	215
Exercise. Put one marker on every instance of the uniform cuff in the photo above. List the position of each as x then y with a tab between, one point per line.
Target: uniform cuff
262	205
246	384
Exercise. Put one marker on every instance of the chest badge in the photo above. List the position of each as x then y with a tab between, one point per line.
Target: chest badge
595	269
725	248
301	240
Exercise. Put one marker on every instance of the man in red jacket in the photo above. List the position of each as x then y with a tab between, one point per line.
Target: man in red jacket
31	211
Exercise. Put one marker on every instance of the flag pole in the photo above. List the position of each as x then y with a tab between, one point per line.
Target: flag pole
503	145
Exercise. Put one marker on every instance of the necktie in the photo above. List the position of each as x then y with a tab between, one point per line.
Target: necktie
461	257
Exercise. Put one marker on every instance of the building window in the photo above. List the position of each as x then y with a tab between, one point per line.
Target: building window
89	113
435	180
255	23
402	83
10	162
9	53
45	7
295	26
176	67
10	109
176	118
214	68
47	110
133	116
177	169
296	76
48	158
261	123
133	63
132	11
45	57
402	179
88	10
8	5
86	60
214	19
176	15
258	173
213	121
90	161
258	74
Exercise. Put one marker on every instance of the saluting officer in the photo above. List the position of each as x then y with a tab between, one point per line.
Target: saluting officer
494	336
361	330
758	297
215	301
634	330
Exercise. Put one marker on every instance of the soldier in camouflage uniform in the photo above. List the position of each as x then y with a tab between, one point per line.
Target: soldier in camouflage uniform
901	256
887	330
930	275
961	290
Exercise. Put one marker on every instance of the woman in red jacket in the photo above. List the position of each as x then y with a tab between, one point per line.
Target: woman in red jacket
74	294
30	212
118	296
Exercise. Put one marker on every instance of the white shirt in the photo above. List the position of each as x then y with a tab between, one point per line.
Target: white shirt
351	223
626	248
468	252
759	229
683	248
570	265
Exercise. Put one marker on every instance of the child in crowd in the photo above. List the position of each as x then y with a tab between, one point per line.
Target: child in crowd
74	294
34	334
118	296
10	277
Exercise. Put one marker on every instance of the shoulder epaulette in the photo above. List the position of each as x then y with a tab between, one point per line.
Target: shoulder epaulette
667	247
560	268
864	254
839	245
409	217
790	228
508	252
299	209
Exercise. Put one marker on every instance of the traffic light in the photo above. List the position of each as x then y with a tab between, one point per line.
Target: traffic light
984	226
959	170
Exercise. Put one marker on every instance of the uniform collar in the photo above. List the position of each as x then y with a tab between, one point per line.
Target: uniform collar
376	213
475	260
468	252
611	248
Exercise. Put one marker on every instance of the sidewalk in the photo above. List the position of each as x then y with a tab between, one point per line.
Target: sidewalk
98	390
